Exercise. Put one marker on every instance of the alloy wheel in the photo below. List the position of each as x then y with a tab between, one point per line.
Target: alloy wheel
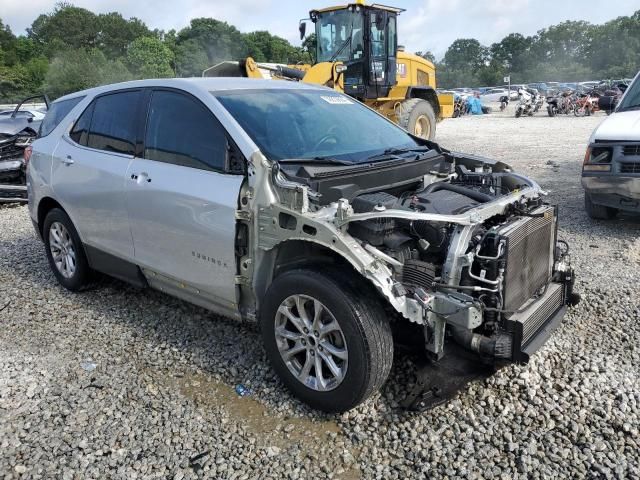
311	342
62	249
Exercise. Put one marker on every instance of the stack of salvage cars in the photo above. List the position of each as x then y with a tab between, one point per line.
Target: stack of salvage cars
18	128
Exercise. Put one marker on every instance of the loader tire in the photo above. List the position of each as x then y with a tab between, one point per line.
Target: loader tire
418	118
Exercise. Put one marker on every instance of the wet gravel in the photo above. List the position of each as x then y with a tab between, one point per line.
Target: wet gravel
121	383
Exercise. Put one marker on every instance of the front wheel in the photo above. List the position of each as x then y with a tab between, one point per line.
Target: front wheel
329	342
418	118
598	212
518	112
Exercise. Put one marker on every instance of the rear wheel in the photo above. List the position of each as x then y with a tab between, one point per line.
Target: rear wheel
330	343
418	118
598	212
65	251
518	112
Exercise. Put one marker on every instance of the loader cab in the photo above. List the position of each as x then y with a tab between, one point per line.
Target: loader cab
365	39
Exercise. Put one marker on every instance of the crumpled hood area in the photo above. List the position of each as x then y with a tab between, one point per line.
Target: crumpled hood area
12	126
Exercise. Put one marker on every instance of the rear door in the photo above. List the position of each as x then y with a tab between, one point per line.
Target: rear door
89	167
182	200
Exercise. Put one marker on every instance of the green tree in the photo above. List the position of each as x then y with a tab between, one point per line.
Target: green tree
466	53
511	52
427	55
264	47
218	40
116	33
191	59
66	27
77	69
148	57
8	54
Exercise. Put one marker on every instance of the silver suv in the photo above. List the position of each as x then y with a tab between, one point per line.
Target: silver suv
299	207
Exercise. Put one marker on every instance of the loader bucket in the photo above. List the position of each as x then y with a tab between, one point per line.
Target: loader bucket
446	105
225	69
244	68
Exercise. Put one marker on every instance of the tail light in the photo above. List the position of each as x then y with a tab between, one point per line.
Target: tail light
26	154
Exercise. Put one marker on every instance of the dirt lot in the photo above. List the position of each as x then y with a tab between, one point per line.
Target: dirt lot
160	402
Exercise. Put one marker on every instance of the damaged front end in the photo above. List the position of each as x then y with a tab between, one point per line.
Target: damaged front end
459	245
17	132
13	166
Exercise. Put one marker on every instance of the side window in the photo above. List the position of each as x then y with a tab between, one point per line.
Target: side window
114	121
182	131
80	131
392	37
377	40
56	113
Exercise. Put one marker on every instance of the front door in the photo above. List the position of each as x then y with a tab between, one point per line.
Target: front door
181	202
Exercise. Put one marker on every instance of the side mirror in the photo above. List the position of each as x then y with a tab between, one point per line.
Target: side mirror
303	29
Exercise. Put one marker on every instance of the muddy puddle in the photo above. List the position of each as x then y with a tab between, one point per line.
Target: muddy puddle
280	431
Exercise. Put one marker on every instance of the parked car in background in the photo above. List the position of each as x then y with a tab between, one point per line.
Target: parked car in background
541	87
493	94
35	114
611	169
327	233
18	128
588	85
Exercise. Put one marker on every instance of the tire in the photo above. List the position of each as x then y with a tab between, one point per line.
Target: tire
418	118
518	112
57	224
598	212
365	330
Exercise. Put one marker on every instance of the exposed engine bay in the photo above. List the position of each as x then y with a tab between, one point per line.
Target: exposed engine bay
459	244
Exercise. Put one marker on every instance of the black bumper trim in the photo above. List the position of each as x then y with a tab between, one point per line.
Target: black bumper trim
544	333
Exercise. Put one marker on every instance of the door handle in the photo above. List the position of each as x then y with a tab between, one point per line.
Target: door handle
68	161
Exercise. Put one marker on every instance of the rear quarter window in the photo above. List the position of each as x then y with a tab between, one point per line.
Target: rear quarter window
56	113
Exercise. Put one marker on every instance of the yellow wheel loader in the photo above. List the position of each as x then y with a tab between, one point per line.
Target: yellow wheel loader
357	53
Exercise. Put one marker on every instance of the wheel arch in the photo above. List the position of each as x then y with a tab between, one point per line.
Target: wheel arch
45	205
425	93
298	254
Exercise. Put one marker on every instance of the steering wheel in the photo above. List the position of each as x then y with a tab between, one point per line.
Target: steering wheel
330	135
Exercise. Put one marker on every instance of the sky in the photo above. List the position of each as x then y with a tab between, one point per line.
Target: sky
426	25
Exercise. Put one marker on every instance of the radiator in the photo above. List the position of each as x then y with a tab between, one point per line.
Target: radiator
529	256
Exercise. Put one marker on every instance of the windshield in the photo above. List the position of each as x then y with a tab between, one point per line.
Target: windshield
299	124
631	99
339	35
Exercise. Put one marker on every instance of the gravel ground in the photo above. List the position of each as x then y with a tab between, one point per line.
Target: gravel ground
160	402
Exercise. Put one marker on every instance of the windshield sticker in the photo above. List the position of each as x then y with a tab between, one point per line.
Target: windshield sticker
334	100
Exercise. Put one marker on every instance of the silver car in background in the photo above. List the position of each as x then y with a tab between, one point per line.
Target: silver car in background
298	206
